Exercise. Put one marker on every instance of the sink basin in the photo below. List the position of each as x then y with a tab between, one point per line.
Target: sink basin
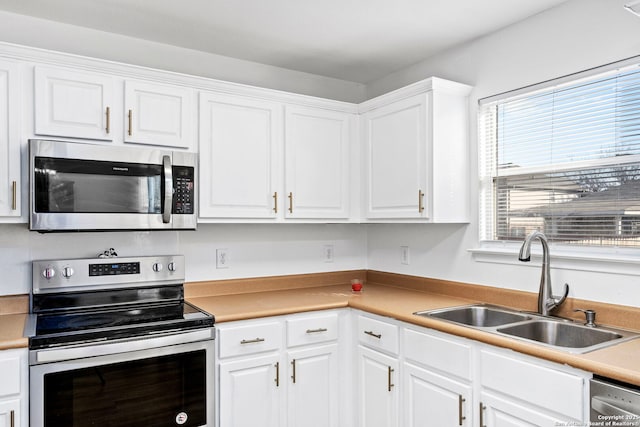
560	334
481	316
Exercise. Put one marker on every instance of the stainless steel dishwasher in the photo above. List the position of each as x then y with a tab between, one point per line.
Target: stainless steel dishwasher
614	403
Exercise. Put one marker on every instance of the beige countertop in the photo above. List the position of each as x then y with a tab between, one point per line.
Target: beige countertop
254	298
618	362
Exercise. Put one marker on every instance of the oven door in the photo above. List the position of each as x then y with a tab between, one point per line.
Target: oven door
166	386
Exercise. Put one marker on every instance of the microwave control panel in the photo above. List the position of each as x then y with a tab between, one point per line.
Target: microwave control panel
183	190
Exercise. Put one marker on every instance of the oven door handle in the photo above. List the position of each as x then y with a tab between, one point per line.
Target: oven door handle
168	189
107	348
603	407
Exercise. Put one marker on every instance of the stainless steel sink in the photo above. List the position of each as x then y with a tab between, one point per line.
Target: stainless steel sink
561	334
481	316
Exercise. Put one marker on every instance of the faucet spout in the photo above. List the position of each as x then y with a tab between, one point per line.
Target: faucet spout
546	301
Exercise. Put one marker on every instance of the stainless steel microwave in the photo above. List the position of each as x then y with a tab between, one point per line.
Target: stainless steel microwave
80	186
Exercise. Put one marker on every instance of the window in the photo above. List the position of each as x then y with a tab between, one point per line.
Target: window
564	160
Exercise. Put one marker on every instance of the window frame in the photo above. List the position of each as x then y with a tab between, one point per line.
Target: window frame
608	259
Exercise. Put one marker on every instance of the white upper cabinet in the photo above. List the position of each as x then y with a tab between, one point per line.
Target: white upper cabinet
240	144
86	105
158	114
317	162
10	84
416	153
73	104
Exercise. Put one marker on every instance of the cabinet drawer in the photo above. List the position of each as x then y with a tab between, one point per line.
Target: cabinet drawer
10	368
533	383
315	329
252	338
378	334
444	354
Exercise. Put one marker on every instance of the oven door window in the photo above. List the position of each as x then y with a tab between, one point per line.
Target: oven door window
159	391
89	186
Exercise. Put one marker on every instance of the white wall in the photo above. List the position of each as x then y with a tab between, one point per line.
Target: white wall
254	250
578	35
35	32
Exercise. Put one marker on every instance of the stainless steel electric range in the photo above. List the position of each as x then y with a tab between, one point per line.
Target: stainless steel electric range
112	342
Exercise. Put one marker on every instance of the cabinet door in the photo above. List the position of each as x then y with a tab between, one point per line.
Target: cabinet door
9	139
313	387
250	392
10	413
240	143
396	159
158	115
431	399
73	104
377	389
497	411
317	163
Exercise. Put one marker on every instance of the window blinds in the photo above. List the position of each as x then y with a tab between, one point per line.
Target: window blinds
564	160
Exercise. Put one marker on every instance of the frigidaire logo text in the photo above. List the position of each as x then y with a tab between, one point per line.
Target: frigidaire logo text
116	168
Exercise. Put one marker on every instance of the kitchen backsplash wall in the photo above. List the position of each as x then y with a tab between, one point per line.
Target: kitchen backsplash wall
253	250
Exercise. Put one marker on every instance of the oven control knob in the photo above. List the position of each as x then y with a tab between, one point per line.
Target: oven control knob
171	266
48	272
157	267
67	272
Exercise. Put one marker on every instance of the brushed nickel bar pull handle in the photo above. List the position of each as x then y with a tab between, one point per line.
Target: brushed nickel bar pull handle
129	131
108	114
420	201
12	418
461	416
373	334
252	341
293	370
482	408
275	202
14	196
290	202
277	380
389	383
314	331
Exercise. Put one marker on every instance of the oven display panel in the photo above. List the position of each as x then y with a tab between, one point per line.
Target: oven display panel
110	269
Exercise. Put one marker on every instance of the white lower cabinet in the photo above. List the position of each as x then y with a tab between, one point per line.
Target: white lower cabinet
518	390
14	393
442	380
280	371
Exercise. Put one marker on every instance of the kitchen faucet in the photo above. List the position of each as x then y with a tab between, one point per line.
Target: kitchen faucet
546	301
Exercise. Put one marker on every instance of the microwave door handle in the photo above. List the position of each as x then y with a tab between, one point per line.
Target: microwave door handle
168	189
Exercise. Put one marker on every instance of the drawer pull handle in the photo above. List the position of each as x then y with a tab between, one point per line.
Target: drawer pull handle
255	340
461	416
389	383
315	331
482	408
12	418
293	370
373	334
277	380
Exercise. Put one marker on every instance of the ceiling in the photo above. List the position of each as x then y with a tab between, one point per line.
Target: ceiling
353	40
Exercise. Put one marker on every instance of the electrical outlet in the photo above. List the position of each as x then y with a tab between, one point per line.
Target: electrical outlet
327	253
404	255
222	258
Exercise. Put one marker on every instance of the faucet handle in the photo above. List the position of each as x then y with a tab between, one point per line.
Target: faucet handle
590	317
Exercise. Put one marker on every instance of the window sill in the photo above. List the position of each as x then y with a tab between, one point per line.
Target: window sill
601	260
